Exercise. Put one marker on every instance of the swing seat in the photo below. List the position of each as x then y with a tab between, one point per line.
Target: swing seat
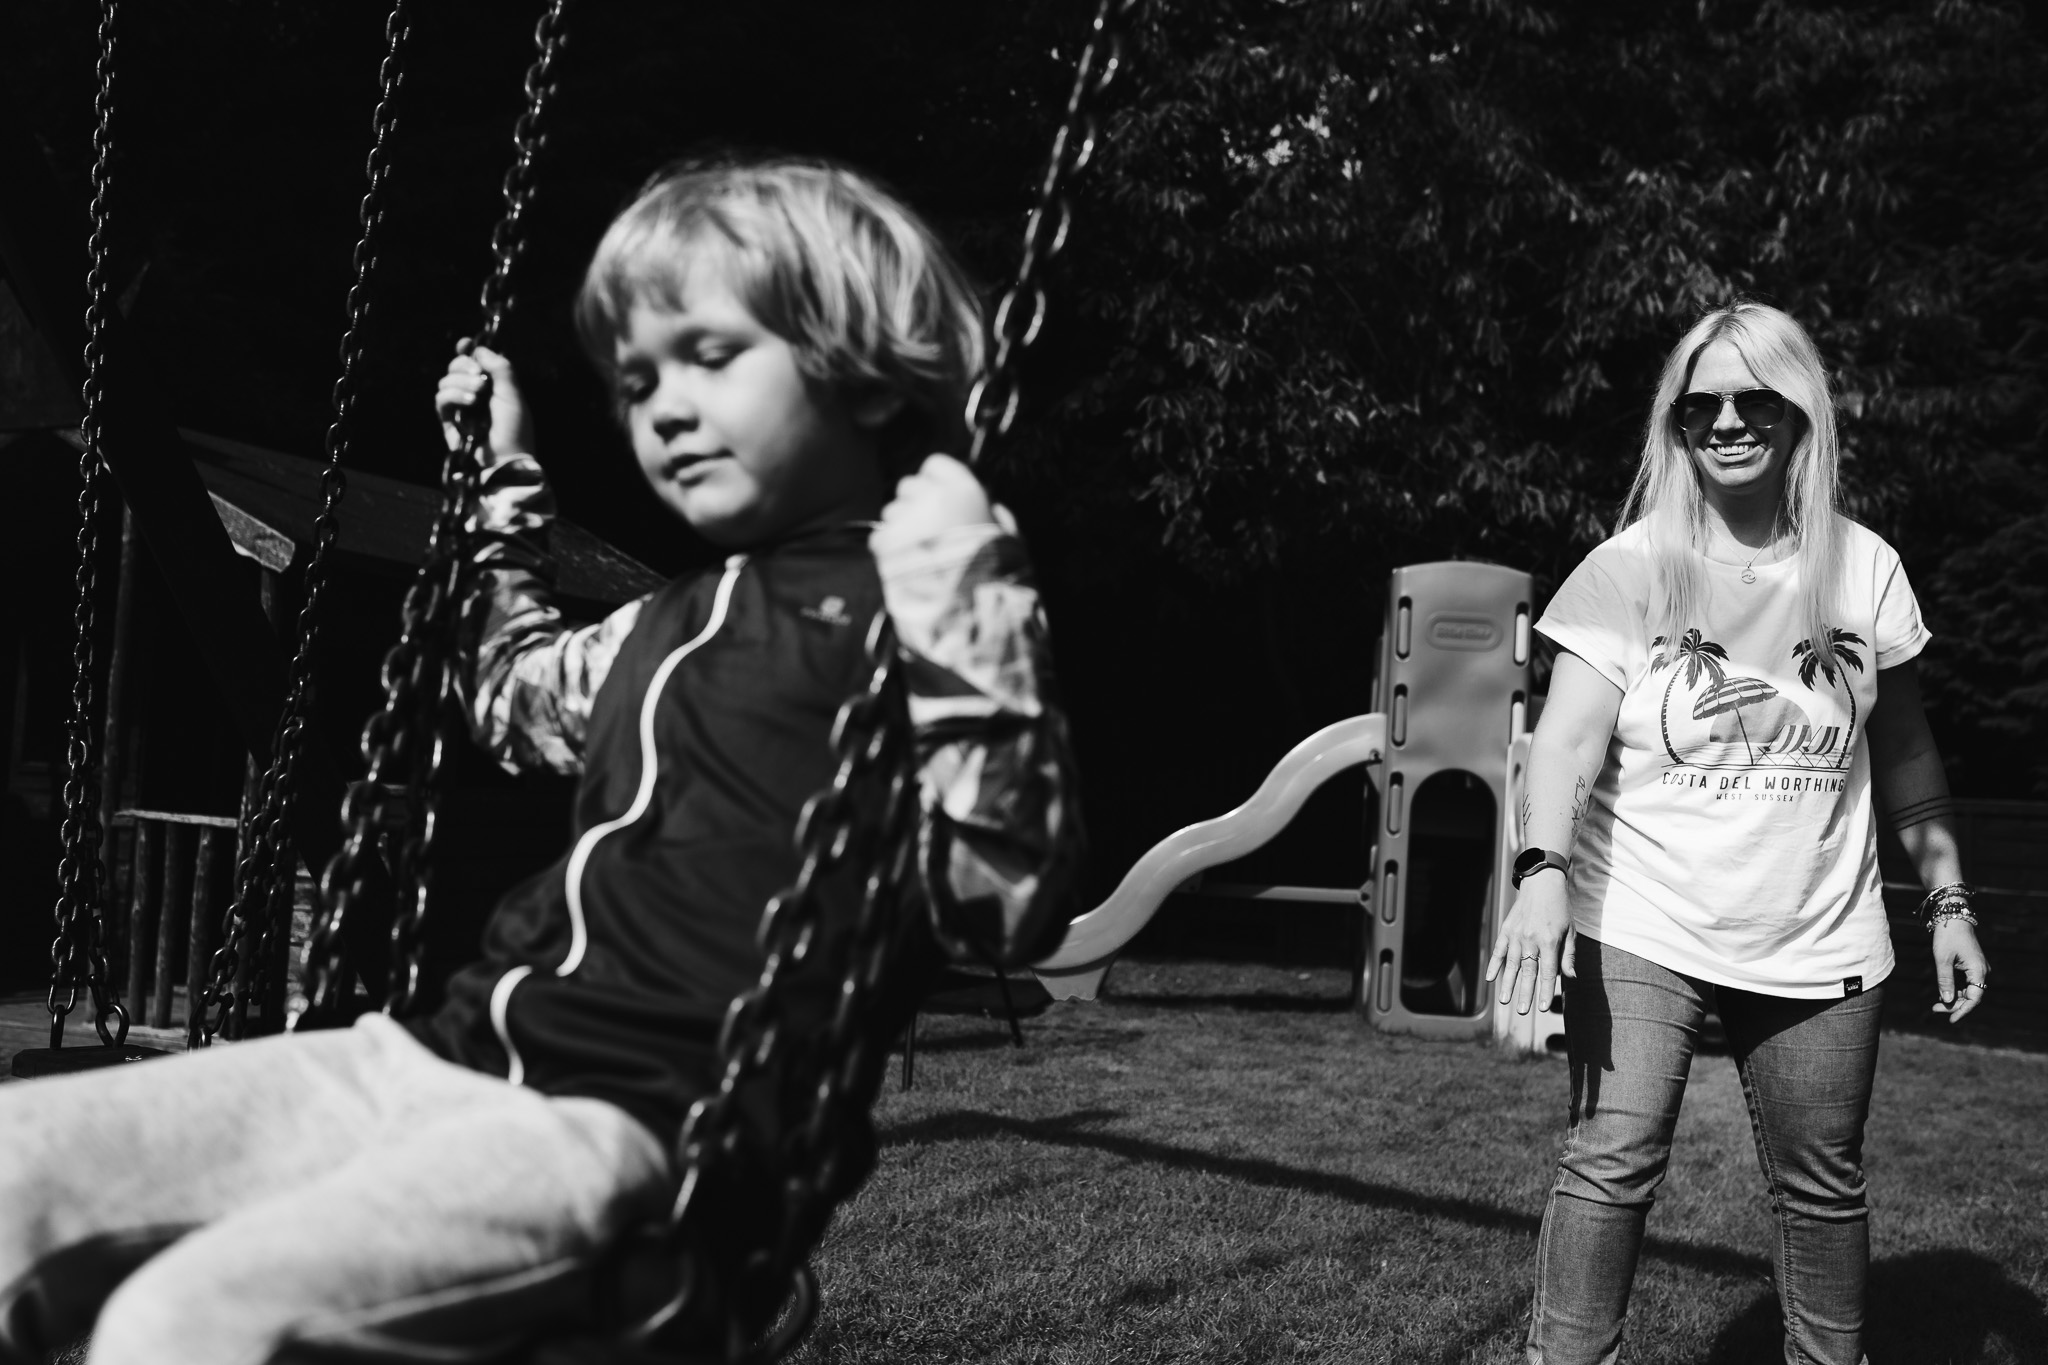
574	1311
703	1293
62	1061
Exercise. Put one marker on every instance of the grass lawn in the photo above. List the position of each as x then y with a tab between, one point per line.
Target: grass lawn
1224	1163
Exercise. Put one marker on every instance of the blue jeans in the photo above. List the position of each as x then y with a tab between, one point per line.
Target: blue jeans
1806	1068
293	1190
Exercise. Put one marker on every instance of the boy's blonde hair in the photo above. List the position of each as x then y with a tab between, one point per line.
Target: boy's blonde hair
823	257
1666	492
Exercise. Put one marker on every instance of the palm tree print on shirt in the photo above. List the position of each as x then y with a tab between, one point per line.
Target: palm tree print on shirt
1811	665
1770	728
1699	656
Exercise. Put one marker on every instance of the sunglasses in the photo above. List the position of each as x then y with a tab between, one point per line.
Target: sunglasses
1759	410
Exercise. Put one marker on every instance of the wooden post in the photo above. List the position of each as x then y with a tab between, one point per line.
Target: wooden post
282	599
276	985
114	729
272	593
199	957
245	972
171	925
252	792
147	863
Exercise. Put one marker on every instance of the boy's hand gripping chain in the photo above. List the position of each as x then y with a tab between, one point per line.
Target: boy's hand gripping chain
265	879
77	953
404	745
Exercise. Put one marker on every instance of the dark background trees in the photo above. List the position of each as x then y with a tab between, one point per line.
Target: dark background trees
1393	282
1357	284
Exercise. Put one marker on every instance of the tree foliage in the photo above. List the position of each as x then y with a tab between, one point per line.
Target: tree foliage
1356	283
1393	280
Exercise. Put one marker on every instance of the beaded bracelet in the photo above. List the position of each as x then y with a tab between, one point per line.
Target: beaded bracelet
1950	902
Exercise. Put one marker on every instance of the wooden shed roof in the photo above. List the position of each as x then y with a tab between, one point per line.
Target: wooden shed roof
269	500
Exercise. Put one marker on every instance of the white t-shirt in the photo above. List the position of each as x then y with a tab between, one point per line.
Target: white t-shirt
1730	834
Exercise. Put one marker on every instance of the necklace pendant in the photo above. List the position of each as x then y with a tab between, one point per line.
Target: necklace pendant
1748	576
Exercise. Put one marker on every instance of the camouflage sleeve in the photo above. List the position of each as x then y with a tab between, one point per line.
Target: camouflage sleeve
1000	837
536	676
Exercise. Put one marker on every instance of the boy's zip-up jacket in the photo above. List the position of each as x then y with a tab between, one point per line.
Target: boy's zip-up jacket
699	719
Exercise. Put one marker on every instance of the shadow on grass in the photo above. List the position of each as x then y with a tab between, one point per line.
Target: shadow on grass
996	1039
1252	1002
994	1036
1928	1306
1080	1130
1510	1321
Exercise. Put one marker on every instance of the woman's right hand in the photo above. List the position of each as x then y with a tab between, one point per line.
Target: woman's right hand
1536	943
478	371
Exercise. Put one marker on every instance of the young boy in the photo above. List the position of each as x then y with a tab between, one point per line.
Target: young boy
785	339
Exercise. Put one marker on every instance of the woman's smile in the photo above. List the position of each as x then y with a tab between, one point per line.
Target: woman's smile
1738	451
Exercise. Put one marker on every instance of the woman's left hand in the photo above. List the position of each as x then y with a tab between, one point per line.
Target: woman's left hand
1960	972
1537	936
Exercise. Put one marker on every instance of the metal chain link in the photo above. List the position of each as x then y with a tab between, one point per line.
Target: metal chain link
267	874
866	818
1019	316
404	745
508	238
78	948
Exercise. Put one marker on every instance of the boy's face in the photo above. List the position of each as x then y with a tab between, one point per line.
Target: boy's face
730	433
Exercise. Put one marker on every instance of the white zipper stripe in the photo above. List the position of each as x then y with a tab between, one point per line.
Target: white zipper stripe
501	1000
579	933
579	936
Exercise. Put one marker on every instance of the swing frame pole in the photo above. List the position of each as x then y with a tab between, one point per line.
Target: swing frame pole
41	252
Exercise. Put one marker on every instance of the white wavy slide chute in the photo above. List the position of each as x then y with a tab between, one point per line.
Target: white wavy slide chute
1075	970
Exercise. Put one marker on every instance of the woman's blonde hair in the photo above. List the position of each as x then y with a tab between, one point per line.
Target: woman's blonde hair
823	257
1666	494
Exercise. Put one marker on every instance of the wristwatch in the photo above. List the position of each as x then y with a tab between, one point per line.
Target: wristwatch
1530	861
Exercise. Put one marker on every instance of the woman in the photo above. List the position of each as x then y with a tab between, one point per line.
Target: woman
1701	833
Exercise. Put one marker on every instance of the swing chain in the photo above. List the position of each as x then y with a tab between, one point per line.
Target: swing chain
508	240
79	947
992	405
448	549
873	745
871	741
404	746
402	753
266	877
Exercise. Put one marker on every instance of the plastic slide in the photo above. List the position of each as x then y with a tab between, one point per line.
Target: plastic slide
1075	970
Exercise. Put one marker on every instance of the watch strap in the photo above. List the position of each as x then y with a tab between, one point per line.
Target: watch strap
1533	860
